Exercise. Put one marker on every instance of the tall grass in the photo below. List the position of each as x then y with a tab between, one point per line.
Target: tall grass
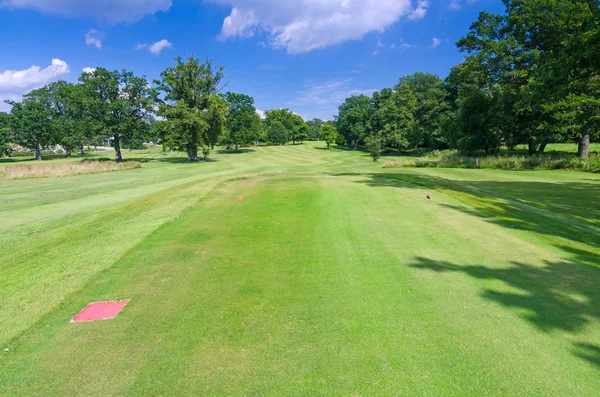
57	170
542	162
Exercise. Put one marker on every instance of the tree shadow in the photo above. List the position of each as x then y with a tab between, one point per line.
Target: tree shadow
233	151
588	352
561	295
567	210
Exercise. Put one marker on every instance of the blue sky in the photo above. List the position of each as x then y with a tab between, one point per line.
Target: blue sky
307	55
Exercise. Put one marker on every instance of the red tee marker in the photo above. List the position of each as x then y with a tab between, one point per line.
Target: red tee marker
429	197
240	199
100	311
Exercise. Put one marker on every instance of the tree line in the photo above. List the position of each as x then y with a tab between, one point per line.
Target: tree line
186	110
531	77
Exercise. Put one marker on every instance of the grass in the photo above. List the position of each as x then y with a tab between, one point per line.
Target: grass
45	170
334	276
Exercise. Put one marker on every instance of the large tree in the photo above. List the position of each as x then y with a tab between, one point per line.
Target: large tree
119	102
192	105
427	107
542	54
70	124
353	119
242	123
31	121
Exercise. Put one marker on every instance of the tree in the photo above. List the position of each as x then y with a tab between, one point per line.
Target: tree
296	128
4	133
392	116
314	129
426	102
31	120
277	134
374	144
353	119
329	134
543	55
68	120
119	102
192	105
242	123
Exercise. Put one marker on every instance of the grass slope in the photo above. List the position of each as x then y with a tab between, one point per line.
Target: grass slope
333	277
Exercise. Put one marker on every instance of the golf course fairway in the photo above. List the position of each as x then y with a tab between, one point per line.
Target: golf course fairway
333	276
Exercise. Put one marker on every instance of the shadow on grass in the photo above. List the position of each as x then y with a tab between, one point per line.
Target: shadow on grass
567	210
561	295
233	151
588	352
170	160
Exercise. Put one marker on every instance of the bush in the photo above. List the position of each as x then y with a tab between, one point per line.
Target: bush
551	161
21	154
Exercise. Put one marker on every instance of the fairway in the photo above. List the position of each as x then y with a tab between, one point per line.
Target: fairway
333	276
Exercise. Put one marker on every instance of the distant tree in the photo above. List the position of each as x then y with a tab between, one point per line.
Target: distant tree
329	134
374	144
242	123
314	129
295	127
353	119
119	102
4	133
277	134
31	121
195	111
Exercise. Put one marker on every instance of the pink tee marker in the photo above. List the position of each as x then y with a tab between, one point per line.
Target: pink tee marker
100	311
429	197
240	199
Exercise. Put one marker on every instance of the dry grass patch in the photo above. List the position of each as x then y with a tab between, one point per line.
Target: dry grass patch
56	170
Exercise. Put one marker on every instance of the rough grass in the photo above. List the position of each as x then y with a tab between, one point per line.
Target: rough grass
555	161
46	170
332	277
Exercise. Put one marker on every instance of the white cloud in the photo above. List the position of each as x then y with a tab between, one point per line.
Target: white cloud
93	37
378	47
420	11
112	11
238	24
261	114
330	92
157	47
301	26
15	83
88	70
435	42
455	5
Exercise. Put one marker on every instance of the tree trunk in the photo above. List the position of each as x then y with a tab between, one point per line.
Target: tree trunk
584	145
68	152
117	145
356	144
38	154
82	150
327	145
193	154
542	147
531	148
237	148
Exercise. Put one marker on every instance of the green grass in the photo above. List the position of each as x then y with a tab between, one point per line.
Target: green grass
334	276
